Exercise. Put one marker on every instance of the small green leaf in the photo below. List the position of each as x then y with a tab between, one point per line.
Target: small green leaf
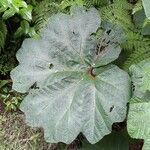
2	9
26	13
25	29
16	8
25	26
22	4
9	13
3	83
5	3
19	32
32	33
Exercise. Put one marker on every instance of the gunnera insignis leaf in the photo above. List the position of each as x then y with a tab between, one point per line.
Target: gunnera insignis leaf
67	95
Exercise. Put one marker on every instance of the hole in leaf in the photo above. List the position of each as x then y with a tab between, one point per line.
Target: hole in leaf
34	86
108	42
111	108
100	48
132	86
93	34
108	32
51	66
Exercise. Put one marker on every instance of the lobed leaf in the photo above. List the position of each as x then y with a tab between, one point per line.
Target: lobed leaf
66	95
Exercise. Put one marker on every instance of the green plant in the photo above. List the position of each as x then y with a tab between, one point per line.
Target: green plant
3	83
118	13
8	97
70	79
136	47
11	7
96	3
25	29
138	117
11	102
140	16
68	3
42	12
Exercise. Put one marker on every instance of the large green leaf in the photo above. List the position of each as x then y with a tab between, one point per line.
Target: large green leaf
146	4
66	94
139	120
113	141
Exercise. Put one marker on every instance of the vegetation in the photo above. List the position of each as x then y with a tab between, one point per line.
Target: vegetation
79	70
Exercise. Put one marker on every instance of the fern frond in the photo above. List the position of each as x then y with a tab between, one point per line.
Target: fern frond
137	56
68	3
42	12
3	33
118	13
136	48
65	3
96	3
135	41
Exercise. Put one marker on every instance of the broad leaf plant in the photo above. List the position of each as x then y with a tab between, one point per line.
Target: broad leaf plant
139	111
72	87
